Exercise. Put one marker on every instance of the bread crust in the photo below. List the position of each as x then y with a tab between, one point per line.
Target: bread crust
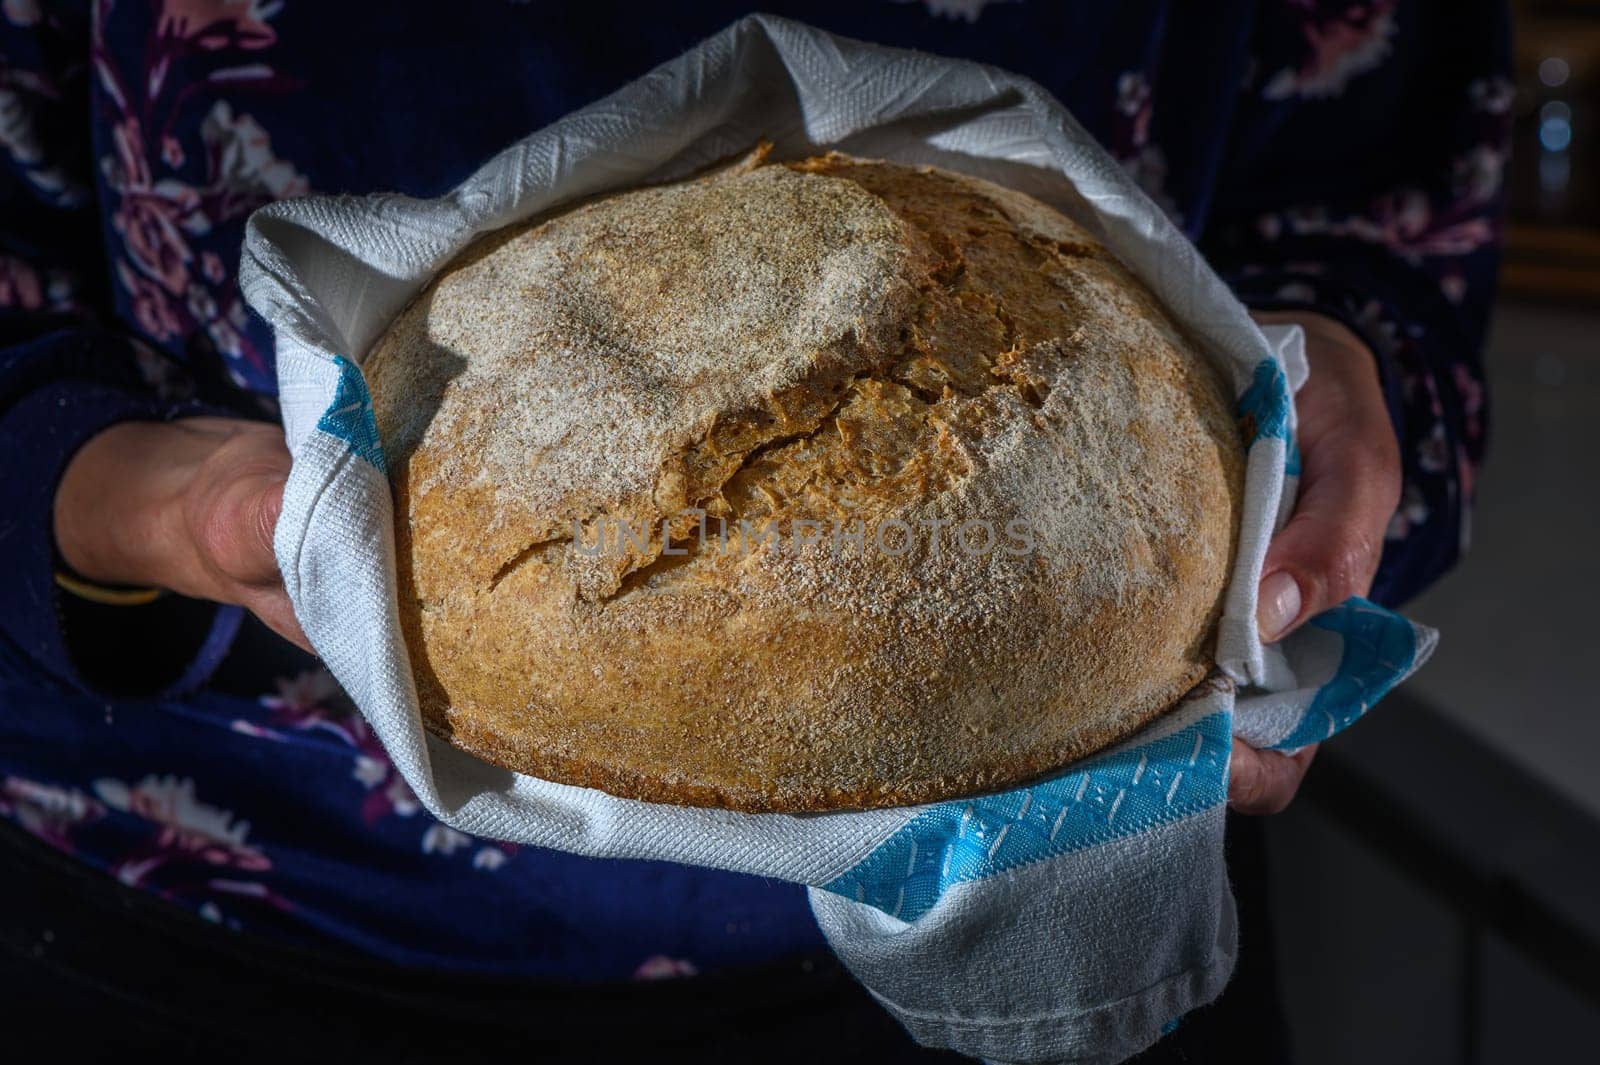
831	340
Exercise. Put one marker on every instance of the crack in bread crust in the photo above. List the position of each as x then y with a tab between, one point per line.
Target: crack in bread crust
735	453
826	340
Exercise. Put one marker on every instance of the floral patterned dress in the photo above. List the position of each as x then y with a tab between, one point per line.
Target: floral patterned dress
1343	157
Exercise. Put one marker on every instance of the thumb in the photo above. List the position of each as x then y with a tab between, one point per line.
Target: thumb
272	606
1329	550
265	511
247	522
234	530
1349	485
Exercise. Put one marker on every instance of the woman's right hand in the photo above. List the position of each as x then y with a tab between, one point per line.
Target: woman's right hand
186	505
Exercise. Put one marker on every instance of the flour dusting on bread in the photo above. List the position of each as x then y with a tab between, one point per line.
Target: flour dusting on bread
823	342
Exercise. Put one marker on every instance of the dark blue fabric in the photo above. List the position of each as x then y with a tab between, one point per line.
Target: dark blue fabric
1339	157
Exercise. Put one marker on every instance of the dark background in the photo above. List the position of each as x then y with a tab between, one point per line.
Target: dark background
1437	886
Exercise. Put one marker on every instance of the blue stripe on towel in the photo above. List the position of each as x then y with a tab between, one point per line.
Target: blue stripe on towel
349	416
1268	402
1380	650
1103	799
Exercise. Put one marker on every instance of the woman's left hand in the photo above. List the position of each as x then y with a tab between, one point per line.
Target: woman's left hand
1329	550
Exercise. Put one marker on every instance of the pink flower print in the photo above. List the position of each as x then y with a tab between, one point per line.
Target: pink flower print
185	828
20	285
1470	389
211	266
1342	40
150	217
313	701
152	308
1402	221
46	811
217	24
127	168
661	967
150	233
171	152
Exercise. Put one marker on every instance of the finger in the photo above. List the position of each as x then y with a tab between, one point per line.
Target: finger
276	612
257	563
264	513
1262	782
1349	486
1330	548
234	532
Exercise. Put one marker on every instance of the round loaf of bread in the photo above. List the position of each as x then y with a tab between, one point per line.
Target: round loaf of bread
801	486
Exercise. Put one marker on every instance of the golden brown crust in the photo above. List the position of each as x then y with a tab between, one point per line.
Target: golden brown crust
830	341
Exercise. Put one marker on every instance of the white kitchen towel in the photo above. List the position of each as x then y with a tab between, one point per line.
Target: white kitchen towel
1070	920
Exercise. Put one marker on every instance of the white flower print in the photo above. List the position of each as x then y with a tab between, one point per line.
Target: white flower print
442	839
19	138
1412	512
369	771
401	799
45	810
1341	41
489	858
968	10
1478	173
1492	96
241	157
188	835
170	801
305	691
17	134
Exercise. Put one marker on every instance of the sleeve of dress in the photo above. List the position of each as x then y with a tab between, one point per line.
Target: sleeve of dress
1363	180
63	378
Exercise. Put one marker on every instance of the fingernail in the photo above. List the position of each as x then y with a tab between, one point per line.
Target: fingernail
1278	605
